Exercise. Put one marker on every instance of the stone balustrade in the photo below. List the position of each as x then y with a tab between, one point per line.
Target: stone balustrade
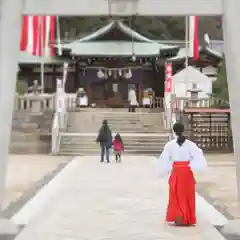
36	103
48	101
182	103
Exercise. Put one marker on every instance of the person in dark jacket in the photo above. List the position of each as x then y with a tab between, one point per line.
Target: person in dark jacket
105	140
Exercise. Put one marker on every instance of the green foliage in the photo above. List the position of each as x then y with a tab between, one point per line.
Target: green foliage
21	87
220	88
159	28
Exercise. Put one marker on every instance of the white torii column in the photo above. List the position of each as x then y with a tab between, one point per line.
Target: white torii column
10	25
231	30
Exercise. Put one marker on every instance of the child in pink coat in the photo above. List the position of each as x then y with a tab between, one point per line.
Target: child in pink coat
118	147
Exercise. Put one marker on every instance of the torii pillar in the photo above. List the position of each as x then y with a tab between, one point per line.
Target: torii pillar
10	24
231	31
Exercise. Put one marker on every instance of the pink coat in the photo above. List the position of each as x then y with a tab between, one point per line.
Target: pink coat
117	146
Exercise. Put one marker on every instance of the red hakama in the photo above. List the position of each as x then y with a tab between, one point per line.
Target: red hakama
181	205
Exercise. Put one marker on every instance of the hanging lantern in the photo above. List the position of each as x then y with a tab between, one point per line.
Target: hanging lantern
134	58
128	74
100	73
120	72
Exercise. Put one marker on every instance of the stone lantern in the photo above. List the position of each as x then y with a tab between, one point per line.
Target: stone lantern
194	96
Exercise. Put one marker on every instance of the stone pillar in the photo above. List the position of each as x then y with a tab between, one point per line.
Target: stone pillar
231	31
10	26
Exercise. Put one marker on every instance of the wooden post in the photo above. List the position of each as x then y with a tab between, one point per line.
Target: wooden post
76	76
140	93
89	94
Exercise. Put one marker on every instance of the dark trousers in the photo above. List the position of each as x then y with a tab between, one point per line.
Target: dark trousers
105	149
118	156
132	109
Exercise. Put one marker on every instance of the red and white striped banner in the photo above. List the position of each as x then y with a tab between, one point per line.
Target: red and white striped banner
193	37
168	77
38	32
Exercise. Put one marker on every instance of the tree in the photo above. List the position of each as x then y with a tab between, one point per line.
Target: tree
220	88
156	28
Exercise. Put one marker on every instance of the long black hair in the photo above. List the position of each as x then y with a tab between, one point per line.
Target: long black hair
178	128
118	138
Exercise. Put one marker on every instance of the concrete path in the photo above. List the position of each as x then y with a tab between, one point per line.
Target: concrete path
93	201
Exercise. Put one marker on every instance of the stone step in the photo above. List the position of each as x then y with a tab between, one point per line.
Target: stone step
142	133
24	136
115	122
113	116
129	141
39	147
117	110
118	129
97	152
112	126
88	136
116	119
85	144
27	130
118	125
130	149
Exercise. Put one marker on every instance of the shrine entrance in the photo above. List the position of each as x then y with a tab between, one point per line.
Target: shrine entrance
12	10
111	93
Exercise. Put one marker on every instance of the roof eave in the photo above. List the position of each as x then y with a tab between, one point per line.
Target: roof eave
201	50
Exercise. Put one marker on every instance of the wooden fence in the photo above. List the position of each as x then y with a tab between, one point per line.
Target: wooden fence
209	128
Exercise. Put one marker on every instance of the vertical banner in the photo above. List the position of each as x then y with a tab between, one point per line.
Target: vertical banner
168	93
193	37
168	78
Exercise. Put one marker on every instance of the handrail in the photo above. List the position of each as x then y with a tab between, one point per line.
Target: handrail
170	116
60	119
55	134
168	111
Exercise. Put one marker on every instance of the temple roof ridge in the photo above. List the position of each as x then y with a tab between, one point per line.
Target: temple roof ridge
111	25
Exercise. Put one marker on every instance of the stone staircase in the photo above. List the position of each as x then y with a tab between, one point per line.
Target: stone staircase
31	133
142	132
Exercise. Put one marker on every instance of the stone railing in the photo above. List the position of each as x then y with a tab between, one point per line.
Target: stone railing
48	102
181	103
35	103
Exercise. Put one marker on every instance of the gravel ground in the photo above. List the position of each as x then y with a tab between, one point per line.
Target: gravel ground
24	171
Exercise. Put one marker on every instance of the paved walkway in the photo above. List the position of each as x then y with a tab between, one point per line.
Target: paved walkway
93	201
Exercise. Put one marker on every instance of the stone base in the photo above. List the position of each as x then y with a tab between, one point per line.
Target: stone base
7	228
232	228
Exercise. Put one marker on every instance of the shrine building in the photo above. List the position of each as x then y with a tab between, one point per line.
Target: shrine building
111	60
